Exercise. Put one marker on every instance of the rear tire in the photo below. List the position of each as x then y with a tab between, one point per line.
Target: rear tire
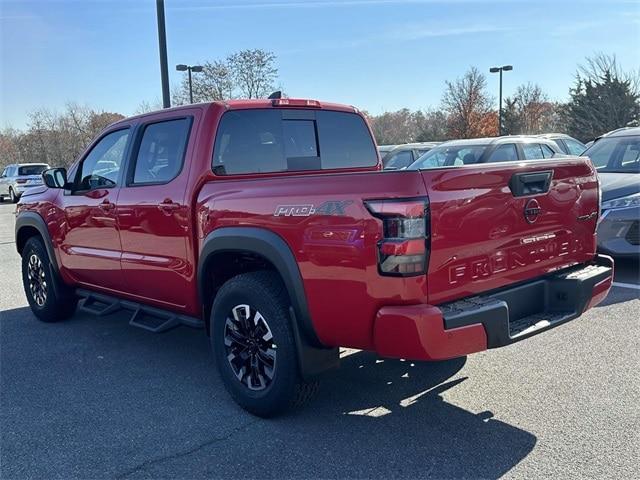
254	346
13	198
49	298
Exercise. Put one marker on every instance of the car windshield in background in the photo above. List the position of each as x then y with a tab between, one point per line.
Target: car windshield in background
31	170
616	154
446	156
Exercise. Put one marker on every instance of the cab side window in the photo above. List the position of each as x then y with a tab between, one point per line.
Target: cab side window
101	167
161	152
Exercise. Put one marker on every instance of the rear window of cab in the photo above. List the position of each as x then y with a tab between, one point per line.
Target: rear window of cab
285	140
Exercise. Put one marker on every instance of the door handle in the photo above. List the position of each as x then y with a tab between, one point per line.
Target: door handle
168	206
107	206
522	184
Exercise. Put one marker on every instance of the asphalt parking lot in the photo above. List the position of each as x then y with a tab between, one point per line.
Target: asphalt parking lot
94	398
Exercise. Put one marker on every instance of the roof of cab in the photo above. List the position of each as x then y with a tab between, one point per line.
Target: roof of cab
248	104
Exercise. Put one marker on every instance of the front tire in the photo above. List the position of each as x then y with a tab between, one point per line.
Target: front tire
49	298
253	343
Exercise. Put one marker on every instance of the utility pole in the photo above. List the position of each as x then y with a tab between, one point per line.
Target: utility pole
162	45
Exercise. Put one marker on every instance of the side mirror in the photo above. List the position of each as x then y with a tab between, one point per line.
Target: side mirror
55	177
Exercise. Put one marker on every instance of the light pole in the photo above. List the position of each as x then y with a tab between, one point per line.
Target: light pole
189	68
506	68
162	47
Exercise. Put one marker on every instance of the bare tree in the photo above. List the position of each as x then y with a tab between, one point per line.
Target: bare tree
529	111
468	106
254	72
54	138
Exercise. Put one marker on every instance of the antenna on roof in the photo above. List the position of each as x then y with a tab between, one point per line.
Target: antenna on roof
275	95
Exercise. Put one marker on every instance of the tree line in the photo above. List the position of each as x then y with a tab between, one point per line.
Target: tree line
603	97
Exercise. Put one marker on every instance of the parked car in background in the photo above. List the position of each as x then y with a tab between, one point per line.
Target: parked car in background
487	150
398	157
18	178
567	144
616	157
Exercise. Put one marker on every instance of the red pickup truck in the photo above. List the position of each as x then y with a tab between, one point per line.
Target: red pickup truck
269	224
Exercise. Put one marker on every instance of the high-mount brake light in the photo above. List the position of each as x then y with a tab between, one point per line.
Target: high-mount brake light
295	102
404	248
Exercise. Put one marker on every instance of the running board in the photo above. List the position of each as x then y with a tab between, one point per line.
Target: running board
152	319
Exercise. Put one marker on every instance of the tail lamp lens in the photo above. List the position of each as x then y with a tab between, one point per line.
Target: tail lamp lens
403	250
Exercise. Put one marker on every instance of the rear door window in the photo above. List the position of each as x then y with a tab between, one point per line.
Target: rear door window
505	153
161	152
274	140
532	151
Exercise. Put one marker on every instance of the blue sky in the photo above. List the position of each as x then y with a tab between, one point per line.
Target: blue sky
375	54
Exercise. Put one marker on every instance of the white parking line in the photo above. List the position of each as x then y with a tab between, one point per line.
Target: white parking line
626	285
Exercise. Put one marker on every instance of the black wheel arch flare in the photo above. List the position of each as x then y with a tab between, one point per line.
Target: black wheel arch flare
314	357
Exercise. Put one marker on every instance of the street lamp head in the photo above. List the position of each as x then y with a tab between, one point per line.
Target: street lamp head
181	67
196	68
506	68
494	69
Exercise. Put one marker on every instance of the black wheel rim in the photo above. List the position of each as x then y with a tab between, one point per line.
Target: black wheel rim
37	280
249	346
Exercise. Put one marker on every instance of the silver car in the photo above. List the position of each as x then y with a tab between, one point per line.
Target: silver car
616	157
18	178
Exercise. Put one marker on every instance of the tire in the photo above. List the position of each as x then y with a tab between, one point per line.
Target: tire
49	298
273	384
12	196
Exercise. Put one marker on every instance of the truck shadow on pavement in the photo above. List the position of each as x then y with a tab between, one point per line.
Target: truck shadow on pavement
103	399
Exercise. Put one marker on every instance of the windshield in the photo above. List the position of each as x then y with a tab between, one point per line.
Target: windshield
32	170
446	156
616	154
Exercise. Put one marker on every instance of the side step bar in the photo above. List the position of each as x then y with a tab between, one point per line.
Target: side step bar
152	319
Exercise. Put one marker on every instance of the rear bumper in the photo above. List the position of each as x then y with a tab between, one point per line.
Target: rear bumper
426	332
19	189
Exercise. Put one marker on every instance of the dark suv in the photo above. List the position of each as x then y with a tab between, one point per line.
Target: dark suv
616	157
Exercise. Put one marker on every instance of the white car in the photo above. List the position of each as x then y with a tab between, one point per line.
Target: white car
19	177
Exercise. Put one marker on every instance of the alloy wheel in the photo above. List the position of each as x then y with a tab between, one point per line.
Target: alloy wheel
37	280
249	347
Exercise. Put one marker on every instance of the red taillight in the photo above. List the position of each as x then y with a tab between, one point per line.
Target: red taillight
295	102
21	180
404	248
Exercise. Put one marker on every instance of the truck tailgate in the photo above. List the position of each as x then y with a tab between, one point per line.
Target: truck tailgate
497	225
